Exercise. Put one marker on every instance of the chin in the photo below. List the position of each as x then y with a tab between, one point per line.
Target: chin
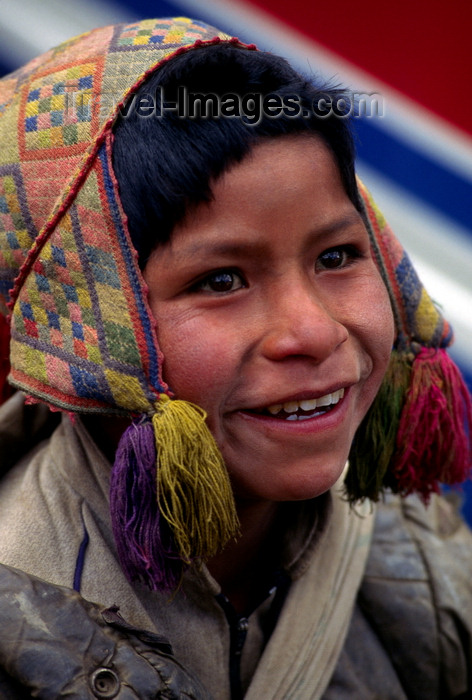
303	485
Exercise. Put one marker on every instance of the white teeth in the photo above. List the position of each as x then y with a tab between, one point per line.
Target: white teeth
325	400
309	405
306	405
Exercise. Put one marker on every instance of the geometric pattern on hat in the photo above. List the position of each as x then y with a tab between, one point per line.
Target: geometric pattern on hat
170	32
417	318
16	227
82	335
56	110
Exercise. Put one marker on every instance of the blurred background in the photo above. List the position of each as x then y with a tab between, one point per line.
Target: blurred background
414	152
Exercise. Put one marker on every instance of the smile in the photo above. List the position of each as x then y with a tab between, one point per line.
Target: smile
303	410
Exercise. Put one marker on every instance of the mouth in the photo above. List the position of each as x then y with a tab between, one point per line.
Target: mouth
303	410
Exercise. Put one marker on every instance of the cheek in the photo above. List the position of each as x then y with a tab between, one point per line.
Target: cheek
197	361
366	311
378	329
382	319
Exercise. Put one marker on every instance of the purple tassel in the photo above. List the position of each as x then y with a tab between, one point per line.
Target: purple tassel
143	539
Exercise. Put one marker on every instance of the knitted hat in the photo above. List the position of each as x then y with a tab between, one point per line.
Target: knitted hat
82	337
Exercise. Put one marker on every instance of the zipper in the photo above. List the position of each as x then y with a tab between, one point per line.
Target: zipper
239	626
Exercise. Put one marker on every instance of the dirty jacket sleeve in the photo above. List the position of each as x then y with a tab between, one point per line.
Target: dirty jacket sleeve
54	644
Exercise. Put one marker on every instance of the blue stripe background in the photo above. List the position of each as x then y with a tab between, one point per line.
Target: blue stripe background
413	170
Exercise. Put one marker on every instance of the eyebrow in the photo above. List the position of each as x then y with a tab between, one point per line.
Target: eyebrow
248	246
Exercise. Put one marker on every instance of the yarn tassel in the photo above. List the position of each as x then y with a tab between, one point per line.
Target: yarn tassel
187	514
374	442
194	491
435	429
143	541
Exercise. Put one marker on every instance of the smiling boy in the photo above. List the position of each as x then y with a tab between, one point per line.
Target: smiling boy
217	300
267	296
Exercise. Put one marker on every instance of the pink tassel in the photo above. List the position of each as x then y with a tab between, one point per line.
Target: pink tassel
143	540
435	431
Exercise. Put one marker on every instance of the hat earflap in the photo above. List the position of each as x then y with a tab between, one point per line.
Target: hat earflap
185	512
417	433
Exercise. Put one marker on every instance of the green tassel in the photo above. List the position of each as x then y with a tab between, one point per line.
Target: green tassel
374	444
193	487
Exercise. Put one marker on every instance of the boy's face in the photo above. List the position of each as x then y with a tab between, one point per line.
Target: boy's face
272	316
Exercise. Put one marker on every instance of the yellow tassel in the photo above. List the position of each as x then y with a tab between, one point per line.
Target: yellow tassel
193	486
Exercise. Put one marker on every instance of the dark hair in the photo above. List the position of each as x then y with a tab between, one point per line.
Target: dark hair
164	163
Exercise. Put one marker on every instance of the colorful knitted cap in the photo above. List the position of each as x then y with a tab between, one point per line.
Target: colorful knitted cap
82	337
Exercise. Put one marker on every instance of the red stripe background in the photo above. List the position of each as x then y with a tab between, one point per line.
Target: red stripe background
423	49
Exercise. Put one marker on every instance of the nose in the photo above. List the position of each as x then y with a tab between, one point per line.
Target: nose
300	324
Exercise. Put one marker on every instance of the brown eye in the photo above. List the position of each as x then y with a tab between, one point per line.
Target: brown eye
336	258
332	259
221	281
